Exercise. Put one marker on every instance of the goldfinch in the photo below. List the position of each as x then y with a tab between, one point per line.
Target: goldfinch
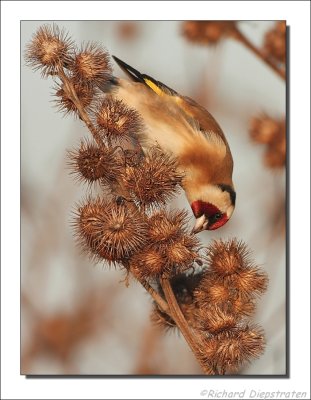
184	129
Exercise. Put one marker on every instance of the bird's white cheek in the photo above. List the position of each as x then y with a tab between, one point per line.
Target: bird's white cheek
230	211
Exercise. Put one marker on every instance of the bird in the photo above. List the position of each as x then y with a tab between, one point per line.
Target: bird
187	131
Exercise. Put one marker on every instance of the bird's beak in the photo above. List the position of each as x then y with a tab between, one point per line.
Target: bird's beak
200	224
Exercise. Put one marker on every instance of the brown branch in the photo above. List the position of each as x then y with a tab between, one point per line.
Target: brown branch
71	93
238	35
156	296
161	303
180	320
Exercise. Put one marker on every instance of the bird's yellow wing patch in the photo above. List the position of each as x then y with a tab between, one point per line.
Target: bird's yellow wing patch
154	87
158	87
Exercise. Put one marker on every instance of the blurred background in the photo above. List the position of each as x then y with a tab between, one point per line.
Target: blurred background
80	318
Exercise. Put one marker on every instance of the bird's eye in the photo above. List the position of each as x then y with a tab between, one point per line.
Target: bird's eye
217	216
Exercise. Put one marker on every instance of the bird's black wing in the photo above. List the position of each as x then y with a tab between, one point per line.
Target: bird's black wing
157	86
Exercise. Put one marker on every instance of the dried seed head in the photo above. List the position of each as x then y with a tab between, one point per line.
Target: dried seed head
206	354
223	292
155	180
92	164
230	349
226	258
166	226
181	253
168	234
91	65
215	319
128	30
243	306
264	129
208	349
218	293
63	100
271	132
211	290
166	259
171	250
252	341
147	264
208	32
275	42
132	157
275	155
236	347
230	261
109	231
115	120
192	30
49	49
249	282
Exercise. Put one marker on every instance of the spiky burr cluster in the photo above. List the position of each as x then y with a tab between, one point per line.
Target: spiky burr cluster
263	129
208	297
270	132
208	32
211	33
218	302
275	42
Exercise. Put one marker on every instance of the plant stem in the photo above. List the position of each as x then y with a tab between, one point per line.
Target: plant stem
179	318
156	297
238	35
71	93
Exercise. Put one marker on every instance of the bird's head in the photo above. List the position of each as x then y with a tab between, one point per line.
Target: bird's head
214	207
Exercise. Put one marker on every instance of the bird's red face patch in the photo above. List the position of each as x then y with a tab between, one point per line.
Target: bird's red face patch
200	207
215	217
218	223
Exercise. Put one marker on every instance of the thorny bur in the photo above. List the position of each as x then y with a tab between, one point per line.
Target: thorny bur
208	295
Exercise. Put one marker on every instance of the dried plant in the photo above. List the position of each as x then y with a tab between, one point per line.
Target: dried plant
217	303
128	30
206	296
271	133
263	129
90	65
91	164
209	33
275	43
61	333
49	50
